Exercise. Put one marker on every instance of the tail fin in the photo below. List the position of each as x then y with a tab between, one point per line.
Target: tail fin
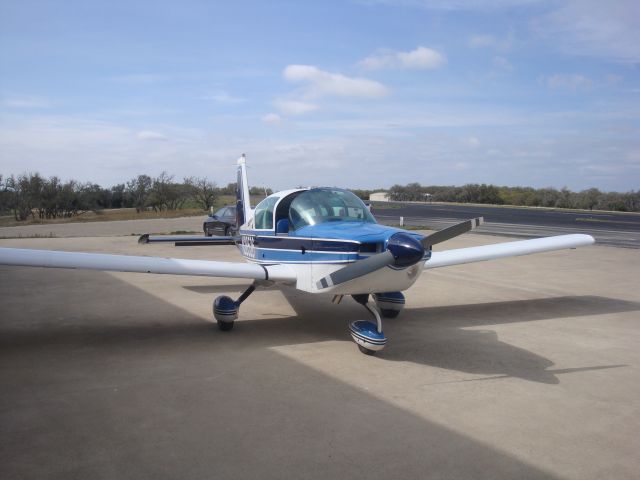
243	202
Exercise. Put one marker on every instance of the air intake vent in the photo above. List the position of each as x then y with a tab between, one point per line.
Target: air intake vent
371	247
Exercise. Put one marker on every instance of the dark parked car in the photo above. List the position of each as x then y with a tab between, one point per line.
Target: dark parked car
223	222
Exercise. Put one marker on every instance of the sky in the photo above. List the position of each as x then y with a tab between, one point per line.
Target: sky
358	94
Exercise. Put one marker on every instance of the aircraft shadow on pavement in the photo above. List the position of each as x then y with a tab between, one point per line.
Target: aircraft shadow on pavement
124	384
436	336
433	336
63	354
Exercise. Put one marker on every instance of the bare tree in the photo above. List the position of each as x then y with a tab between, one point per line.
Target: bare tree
203	191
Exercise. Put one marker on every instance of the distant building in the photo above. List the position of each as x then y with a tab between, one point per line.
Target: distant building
379	197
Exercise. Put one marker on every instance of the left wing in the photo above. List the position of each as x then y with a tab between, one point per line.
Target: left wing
508	249
130	263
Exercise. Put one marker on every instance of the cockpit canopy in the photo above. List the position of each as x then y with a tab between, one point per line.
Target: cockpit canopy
321	205
296	209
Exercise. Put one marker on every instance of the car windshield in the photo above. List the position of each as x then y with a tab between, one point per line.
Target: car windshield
225	212
321	205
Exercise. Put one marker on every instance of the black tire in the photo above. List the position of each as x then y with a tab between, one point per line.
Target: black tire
365	350
225	326
226	231
207	233
386	313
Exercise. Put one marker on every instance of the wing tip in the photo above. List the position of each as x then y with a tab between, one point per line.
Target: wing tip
590	239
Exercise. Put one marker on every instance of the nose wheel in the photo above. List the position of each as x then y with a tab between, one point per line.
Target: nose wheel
368	335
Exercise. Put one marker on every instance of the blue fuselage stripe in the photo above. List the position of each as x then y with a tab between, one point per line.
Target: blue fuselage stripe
284	249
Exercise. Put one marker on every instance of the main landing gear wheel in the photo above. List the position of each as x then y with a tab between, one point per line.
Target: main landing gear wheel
389	303
368	335
225	309
366	351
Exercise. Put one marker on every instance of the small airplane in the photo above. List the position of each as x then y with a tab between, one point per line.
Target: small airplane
318	240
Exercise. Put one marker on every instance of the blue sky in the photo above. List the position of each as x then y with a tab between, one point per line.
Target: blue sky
358	94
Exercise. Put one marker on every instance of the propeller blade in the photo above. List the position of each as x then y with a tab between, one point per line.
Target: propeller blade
357	269
451	232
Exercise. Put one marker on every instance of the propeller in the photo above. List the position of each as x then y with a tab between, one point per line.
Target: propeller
452	231
403	250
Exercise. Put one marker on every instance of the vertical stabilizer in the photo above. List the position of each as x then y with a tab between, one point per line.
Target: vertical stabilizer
243	202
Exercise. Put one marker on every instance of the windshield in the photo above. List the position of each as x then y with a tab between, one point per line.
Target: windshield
321	205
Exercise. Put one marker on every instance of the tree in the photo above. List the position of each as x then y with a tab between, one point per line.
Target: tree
50	198
260	191
138	190
588	199
5	196
165	194
24	193
230	189
565	199
203	191
118	196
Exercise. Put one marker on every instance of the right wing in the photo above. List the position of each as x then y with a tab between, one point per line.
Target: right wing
130	263
509	249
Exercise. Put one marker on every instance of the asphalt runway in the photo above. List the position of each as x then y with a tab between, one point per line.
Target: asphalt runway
519	368
614	229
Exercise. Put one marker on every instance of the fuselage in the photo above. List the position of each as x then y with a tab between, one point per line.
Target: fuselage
318	231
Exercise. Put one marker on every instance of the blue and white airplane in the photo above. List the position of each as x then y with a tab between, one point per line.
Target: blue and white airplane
318	240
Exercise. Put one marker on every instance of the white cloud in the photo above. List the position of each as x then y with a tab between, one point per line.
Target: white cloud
472	142
108	153
222	96
26	101
294	107
502	64
457	4
594	28
481	41
320	82
420	58
141	78
271	118
612	79
573	82
499	43
150	135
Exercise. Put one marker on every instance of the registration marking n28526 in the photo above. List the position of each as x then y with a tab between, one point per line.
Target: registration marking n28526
248	246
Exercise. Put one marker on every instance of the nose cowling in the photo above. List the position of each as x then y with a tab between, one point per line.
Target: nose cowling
406	250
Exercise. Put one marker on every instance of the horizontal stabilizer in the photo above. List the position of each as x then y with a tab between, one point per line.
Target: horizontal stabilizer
130	263
509	249
186	240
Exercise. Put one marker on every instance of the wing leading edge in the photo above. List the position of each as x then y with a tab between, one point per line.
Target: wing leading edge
130	263
509	249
